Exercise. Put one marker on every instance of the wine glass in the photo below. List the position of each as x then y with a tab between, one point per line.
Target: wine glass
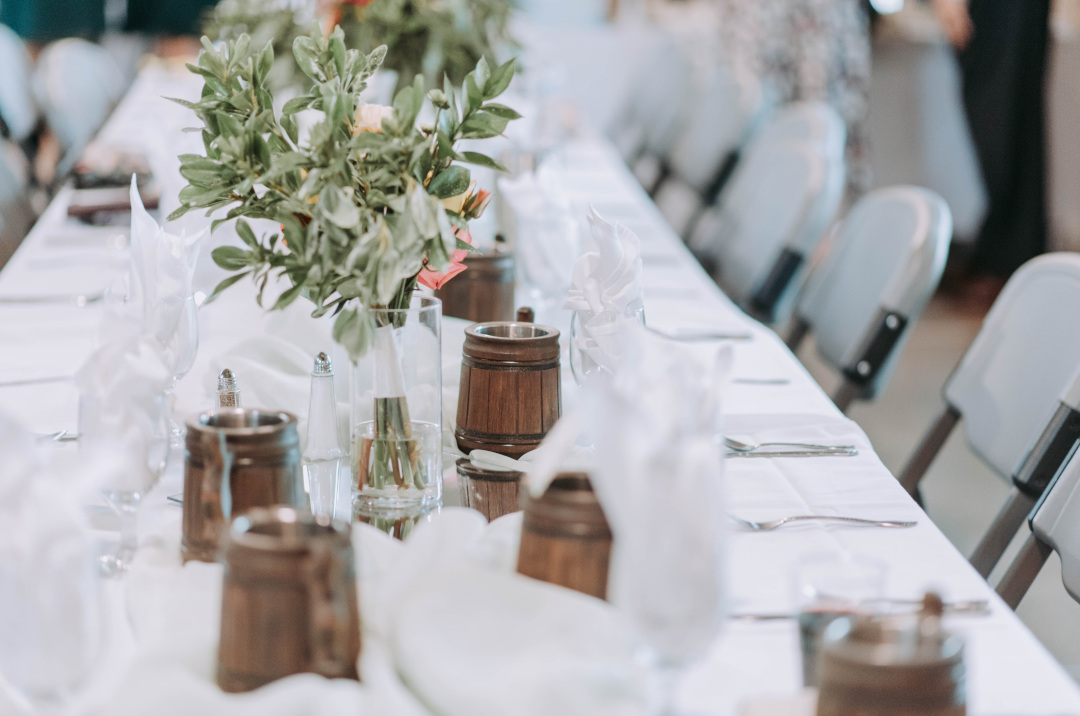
179	347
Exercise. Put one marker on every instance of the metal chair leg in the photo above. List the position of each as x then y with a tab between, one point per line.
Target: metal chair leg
928	449
1022	572
1001	532
799	329
845	394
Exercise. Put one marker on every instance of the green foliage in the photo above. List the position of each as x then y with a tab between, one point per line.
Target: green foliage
432	38
264	21
358	204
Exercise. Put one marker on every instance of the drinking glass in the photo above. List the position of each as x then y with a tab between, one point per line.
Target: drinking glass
594	340
829	586
179	348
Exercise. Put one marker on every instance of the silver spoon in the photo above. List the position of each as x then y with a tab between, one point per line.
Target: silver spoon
751	447
770	525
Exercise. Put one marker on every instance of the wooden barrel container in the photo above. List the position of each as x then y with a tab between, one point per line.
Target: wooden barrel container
493	493
484	291
565	538
289	601
263	461
510	395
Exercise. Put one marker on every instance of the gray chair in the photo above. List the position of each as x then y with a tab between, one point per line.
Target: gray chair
1055	527
885	262
1015	390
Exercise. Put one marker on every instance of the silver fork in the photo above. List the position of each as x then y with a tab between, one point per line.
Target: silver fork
769	525
751	447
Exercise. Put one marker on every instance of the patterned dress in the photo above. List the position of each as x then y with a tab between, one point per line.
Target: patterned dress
808	50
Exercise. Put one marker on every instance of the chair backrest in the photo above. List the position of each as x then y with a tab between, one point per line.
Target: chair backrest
780	205
76	83
17	106
886	261
1010	380
809	121
721	119
1055	522
657	107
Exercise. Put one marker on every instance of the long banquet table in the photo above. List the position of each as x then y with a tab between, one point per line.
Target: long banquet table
1009	670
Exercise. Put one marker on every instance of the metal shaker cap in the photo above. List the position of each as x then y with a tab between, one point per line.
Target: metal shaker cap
322	365
226	381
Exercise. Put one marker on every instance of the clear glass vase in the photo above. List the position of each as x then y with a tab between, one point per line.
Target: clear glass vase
396	412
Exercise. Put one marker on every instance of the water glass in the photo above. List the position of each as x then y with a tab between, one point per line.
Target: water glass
828	586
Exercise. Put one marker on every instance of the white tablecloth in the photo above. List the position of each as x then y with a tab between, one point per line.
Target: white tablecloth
1009	671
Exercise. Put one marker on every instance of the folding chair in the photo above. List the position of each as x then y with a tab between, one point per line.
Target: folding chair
886	261
18	112
776	212
76	83
705	149
1055	527
1015	389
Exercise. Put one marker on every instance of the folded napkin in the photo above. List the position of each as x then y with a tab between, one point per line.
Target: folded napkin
605	295
162	266
50	618
607	274
658	476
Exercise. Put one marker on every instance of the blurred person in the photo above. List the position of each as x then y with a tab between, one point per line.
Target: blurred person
808	50
1001	46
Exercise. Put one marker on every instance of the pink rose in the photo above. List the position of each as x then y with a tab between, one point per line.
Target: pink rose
436	280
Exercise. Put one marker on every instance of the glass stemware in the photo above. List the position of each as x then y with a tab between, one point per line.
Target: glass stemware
180	347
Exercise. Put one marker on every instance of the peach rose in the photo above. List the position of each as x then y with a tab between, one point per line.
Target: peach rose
369	117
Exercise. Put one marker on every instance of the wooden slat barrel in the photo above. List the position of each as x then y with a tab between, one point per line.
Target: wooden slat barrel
484	291
510	395
289	602
565	538
493	493
263	460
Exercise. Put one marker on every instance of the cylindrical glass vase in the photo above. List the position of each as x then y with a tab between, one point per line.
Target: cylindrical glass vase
396	412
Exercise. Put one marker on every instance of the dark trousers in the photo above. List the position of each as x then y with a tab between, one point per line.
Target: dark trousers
1004	69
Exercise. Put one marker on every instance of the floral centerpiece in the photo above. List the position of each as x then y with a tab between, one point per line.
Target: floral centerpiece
433	38
369	203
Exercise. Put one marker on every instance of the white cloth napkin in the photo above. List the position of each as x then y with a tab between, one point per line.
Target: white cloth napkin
470	637
162	266
607	274
659	477
50	620
605	294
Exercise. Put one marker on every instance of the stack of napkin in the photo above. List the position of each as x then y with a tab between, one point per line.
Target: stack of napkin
605	292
